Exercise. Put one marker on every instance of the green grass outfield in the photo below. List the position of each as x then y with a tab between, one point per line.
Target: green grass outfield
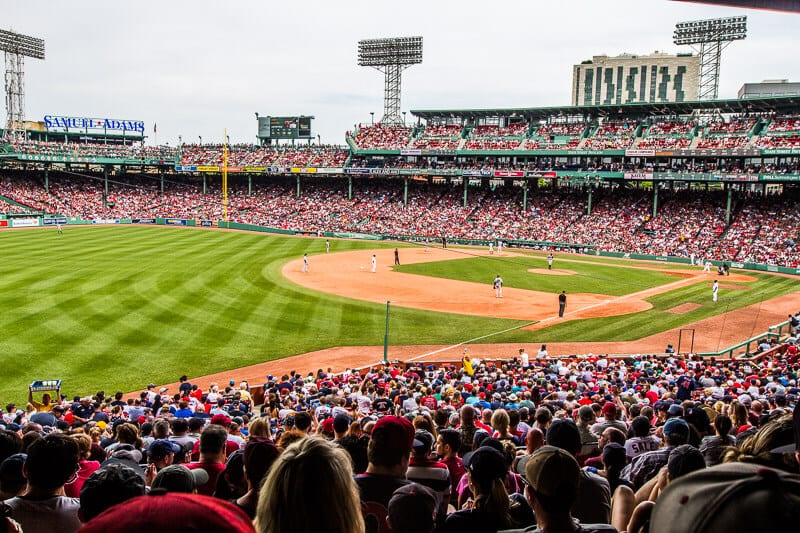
116	307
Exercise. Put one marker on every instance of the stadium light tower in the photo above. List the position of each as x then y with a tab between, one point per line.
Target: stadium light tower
17	47
708	38
390	56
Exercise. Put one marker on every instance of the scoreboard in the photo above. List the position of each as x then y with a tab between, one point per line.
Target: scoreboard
298	127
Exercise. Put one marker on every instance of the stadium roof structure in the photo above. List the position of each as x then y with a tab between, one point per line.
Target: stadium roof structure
736	106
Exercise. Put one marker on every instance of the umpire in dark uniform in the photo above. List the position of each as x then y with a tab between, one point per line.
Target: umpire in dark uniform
562	303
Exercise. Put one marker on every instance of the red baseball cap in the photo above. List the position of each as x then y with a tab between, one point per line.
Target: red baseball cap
394	432
171	511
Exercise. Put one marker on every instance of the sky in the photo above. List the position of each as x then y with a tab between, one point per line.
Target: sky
197	68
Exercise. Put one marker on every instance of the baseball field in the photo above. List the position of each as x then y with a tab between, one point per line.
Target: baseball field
114	307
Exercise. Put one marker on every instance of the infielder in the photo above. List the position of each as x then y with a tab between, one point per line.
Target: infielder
498	286
305	262
58	227
714	291
562	303
327	246
499	247
491	248
707	267
374	264
549	261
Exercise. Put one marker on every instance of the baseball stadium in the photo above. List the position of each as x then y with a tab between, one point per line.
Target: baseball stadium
641	240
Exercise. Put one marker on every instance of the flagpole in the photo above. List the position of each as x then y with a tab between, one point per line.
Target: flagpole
225	175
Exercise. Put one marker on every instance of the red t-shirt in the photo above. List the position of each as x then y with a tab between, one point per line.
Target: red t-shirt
214	470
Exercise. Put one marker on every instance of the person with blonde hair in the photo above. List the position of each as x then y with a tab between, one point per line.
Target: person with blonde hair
310	488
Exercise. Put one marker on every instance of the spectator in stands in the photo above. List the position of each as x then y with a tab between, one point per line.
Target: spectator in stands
429	472
259	456
389	452
178	478
412	509
310	488
12	482
552	479
593	504
489	510
86	466
646	466
447	445
51	462
212	456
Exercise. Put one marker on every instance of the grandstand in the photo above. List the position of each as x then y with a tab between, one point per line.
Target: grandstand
671	180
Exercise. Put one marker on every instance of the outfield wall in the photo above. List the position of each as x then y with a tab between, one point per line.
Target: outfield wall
33	221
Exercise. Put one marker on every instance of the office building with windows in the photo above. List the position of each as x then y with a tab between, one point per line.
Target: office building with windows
629	78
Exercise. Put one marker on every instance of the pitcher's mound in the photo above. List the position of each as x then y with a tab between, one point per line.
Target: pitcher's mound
554	272
683	308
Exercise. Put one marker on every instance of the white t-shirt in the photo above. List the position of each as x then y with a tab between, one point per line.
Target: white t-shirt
525	358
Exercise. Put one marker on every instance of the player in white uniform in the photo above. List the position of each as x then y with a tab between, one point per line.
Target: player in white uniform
707	267
374	264
305	262
714	291
327	246
498	287
58	227
491	248
499	247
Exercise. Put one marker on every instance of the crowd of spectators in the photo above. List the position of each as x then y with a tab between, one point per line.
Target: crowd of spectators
485	445
612	135
93	150
687	223
248	155
438	137
380	137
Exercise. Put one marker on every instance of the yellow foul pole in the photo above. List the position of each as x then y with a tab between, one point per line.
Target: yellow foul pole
225	175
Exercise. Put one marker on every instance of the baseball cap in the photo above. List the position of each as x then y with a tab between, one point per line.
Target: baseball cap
394	432
564	434
220	419
178	478
162	447
729	497
413	507
425	439
171	511
552	473
675	410
609	409
327	426
684	459
677	426
485	464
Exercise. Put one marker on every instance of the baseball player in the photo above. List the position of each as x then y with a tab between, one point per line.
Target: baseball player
491	248
549	261
714	291
327	246
499	247
562	303
707	267
305	262
374	264
498	286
